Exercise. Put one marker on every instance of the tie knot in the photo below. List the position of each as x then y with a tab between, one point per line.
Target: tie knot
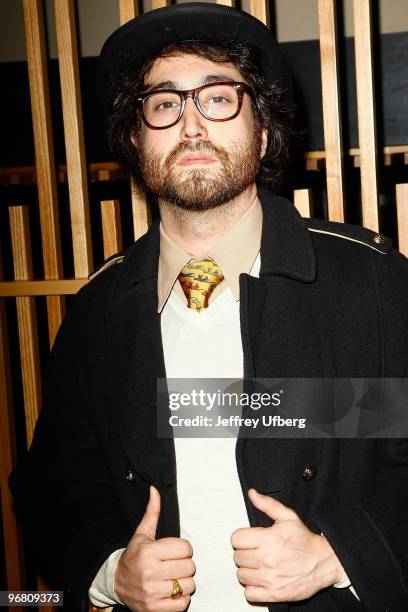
198	280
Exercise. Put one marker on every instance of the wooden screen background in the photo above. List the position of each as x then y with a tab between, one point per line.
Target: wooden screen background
25	289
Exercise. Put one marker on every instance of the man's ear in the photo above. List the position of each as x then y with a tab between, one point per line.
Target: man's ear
264	145
133	138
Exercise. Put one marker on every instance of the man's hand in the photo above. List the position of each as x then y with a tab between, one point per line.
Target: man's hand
284	562
143	577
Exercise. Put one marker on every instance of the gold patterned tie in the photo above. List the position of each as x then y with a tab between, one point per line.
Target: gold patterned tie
199	279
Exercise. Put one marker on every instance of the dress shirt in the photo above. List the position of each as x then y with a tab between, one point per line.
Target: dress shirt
234	253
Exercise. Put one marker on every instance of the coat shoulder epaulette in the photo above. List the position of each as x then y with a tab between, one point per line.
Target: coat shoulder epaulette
111	261
354	233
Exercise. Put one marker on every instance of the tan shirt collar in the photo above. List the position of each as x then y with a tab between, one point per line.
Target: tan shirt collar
234	253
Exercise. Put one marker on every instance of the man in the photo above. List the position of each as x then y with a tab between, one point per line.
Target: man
196	102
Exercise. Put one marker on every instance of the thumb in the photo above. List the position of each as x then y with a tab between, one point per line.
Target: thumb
148	524
270	506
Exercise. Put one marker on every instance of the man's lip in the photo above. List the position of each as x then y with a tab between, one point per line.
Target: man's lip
197	158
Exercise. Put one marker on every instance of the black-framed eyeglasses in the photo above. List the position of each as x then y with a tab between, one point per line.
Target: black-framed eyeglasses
221	101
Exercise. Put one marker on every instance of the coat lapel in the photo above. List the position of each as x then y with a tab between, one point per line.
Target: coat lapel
269	312
137	362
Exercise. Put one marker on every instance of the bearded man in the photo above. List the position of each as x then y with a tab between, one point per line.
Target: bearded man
229	282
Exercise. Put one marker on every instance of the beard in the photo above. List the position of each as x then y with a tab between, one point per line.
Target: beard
204	188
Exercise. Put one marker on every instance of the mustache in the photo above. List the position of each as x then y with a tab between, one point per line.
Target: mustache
199	147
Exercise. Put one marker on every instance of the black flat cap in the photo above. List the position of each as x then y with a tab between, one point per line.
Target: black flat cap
145	36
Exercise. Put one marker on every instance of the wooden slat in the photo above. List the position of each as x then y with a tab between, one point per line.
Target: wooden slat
111	227
331	109
314	164
160	3
140	210
402	217
128	9
26	317
28	334
366	112
12	537
260	10
41	287
74	136
303	201
44	156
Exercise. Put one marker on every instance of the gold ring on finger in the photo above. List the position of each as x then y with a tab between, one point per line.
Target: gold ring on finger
177	590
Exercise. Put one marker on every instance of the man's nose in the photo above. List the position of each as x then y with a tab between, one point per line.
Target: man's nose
193	124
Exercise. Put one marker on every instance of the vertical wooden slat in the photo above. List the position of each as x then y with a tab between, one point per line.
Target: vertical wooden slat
13	543
26	317
402	217
140	212
111	227
303	201
44	156
260	10
366	112
74	137
27	330
128	9
331	109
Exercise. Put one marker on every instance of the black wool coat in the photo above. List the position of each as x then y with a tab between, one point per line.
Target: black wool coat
331	301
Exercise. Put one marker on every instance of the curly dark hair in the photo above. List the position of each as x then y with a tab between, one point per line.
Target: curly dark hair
271	105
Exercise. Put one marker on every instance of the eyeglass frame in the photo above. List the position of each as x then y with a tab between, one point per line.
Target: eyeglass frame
239	86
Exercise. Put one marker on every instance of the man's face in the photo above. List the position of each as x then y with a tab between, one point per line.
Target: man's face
234	147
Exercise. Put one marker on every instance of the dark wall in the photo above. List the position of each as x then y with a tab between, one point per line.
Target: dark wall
303	58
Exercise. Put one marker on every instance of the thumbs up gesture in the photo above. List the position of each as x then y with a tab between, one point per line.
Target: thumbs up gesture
144	573
284	562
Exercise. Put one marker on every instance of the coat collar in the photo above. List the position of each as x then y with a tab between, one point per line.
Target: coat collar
286	248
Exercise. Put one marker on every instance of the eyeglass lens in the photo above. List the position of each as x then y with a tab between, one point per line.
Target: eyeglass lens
216	102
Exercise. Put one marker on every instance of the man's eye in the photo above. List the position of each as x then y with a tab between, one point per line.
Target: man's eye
218	100
167	105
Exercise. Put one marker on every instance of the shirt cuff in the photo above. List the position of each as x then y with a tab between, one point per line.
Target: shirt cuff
102	590
344	583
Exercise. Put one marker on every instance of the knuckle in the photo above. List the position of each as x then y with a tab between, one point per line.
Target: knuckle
248	593
189	586
142	554
146	574
146	589
187	547
183	603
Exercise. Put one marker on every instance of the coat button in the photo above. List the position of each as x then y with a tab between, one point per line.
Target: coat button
379	238
309	472
130	475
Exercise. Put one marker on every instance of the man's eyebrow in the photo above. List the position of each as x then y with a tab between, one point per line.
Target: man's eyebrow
204	80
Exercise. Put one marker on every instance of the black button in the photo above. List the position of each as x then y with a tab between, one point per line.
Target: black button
309	472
